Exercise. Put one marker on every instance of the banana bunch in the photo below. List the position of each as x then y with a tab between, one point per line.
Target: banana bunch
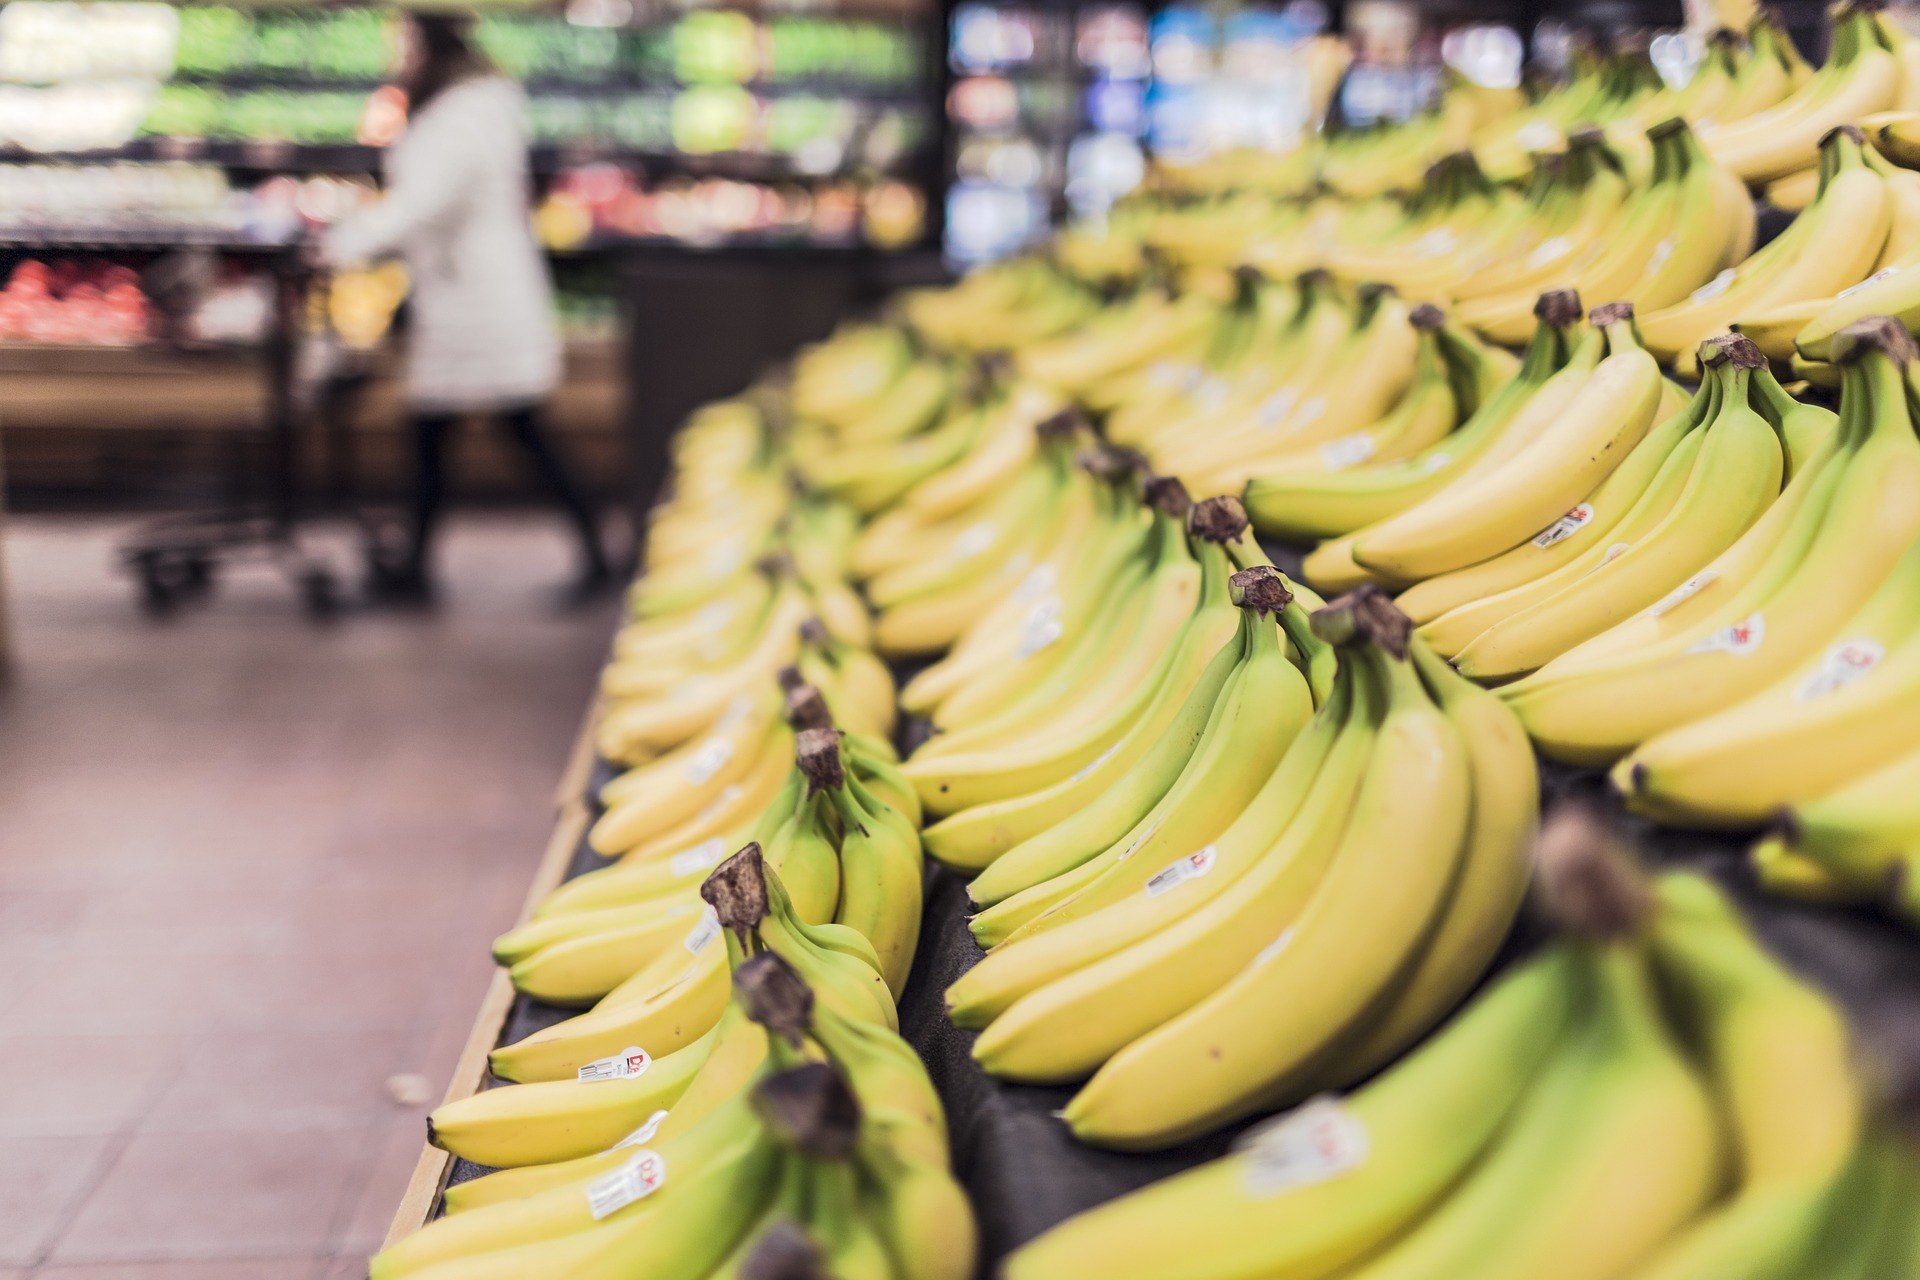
633	942
800	1128
1736	78
1680	497
1604	86
1652	1097
1869	69
1337	503
1554	441
1840	239
1853	843
1825	725
849	853
1105	599
1396	385
985	537
1291	915
1776	600
1654	244
1008	305
1061	786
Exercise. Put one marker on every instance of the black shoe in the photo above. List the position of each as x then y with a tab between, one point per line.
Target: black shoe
590	588
404	585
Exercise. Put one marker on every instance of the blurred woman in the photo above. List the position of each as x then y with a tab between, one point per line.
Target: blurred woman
482	337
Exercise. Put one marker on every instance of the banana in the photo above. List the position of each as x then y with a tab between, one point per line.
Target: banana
1614	1149
1495	871
1831	246
1572	534
1734	479
529	1124
1240	1044
879	856
1860	78
1812	731
1116	974
1780	1056
1295	506
1484	515
1110	747
1865	834
1174	729
1759	634
1305	1195
1264	705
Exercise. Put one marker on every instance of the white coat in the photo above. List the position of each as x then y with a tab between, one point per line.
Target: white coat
455	211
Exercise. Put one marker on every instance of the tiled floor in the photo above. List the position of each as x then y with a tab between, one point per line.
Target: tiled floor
248	871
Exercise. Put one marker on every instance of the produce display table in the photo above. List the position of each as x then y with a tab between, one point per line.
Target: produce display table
1018	1163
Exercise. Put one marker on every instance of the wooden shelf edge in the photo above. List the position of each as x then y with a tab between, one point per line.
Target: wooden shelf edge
429	1179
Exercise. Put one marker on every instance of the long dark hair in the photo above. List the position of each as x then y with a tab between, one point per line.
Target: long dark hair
446	56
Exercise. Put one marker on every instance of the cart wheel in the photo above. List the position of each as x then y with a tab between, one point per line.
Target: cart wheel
158	595
319	593
196	575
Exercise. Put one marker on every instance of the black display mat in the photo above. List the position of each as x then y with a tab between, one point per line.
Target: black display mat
1025	1172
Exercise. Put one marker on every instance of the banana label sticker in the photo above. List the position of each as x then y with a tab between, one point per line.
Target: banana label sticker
704	856
1713	288
1318	1140
703	933
1551	249
629	1064
708	758
714	617
1275	406
1347	451
635	1180
1684	592
1042	628
1088	770
643	1135
1842	665
1743	637
728	794
1566	526
1036	584
1191	867
972	540
1875	278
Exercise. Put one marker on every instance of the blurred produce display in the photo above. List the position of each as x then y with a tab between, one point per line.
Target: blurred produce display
833	108
75	300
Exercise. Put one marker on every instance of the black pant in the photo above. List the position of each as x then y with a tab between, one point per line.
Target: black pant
430	432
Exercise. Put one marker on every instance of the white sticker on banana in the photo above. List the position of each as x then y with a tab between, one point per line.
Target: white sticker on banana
1684	592
1566	526
1347	451
635	1180
1191	867
703	933
1843	664
629	1064
1317	1140
1742	638
643	1135
702	857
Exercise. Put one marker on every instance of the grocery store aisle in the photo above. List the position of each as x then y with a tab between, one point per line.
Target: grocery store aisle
248	871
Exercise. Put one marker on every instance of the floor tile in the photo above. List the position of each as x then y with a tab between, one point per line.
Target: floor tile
40	1179
215	1195
267	1080
89	1084
398	1147
274	891
199	1269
